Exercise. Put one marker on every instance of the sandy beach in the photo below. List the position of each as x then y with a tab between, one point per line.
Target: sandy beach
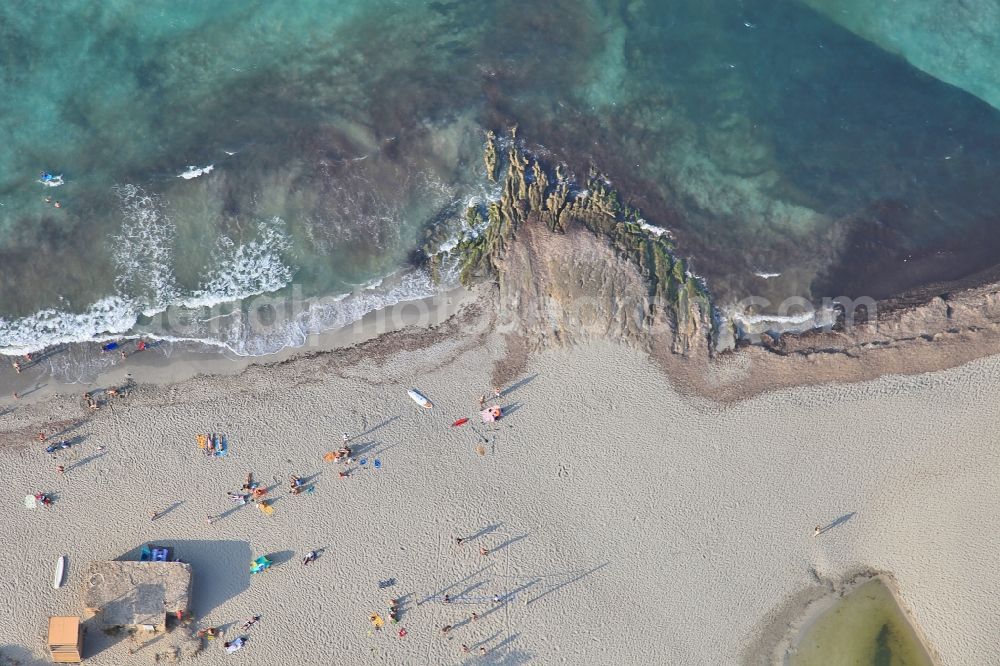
624	522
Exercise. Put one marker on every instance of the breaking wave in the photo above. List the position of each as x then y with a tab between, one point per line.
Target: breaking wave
146	284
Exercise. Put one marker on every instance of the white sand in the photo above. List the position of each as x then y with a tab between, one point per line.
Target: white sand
631	525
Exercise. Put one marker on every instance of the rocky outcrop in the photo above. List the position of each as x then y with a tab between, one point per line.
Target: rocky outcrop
572	264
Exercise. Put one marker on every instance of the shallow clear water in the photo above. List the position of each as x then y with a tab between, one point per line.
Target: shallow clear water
342	134
865	628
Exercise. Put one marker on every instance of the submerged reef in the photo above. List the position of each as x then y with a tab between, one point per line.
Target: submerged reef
571	262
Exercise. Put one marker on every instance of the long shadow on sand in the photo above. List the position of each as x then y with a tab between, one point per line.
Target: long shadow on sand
83	461
369	431
501	654
838	522
19	655
518	384
572	577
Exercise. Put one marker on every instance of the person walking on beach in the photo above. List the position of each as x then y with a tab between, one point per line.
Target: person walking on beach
346	438
497	393
482	401
60	469
17	367
483	551
210	519
310	557
817	531
458	541
154	515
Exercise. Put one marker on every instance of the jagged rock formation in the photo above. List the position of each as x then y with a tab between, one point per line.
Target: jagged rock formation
571	265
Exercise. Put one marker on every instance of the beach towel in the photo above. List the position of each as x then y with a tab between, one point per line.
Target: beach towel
266	509
29	502
260	564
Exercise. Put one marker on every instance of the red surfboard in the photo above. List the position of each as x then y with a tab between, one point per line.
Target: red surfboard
459	422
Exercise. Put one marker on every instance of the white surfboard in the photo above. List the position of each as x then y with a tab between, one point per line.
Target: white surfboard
60	569
420	399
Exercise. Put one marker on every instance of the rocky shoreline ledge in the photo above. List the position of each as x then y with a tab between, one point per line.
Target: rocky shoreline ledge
570	263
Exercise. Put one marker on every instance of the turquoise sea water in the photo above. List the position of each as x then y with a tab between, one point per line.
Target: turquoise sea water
343	135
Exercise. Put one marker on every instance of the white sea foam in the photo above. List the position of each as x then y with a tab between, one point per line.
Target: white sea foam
652	229
55	181
240	333
143	251
767	276
239	271
52	326
750	325
194	172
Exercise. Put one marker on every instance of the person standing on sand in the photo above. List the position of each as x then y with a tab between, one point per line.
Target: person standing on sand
210	519
497	393
817	531
458	541
345	438
154	515
483	551
60	469
482	401
17	367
